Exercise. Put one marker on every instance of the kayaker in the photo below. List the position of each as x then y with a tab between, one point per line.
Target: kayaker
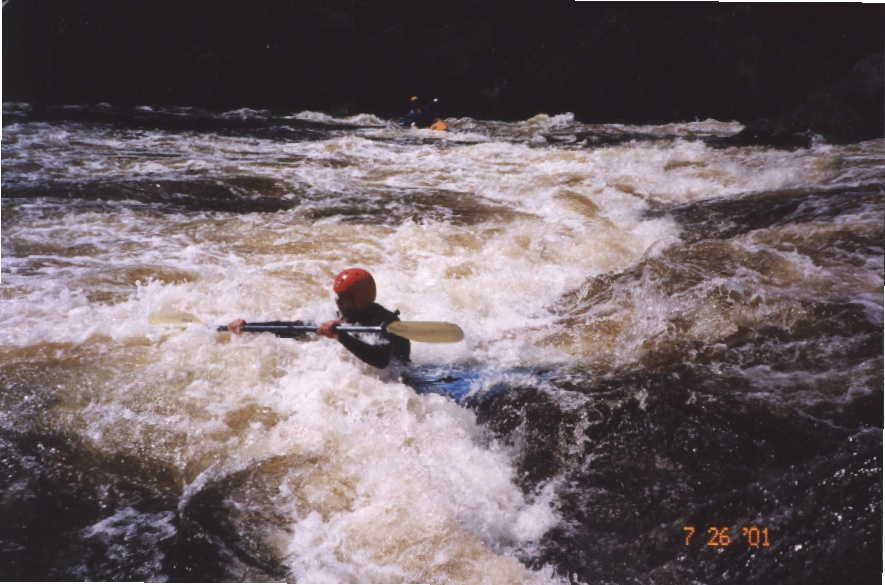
415	114
422	116
355	296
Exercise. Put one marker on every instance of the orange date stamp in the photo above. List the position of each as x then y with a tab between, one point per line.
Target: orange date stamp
722	536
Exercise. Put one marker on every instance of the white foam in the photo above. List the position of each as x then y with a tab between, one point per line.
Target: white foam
380	484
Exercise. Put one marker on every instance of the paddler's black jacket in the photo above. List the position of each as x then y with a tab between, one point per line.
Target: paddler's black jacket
376	349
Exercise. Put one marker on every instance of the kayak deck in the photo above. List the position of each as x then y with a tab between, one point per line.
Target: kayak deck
467	384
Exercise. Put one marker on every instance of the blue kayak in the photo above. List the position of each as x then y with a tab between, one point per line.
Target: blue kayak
467	384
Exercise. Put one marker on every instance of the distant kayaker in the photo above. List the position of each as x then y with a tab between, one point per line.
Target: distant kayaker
422	116
355	296
415	114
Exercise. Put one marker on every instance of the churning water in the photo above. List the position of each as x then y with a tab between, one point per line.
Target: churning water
675	348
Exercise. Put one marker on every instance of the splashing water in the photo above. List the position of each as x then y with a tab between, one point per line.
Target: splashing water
648	309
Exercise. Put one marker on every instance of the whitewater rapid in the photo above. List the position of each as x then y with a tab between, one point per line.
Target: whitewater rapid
343	473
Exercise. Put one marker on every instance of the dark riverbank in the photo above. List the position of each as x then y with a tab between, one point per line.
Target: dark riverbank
779	69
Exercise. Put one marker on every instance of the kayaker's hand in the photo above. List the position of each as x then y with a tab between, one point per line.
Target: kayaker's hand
236	326
327	329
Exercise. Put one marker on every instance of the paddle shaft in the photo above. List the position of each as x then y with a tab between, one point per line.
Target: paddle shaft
306	327
424	331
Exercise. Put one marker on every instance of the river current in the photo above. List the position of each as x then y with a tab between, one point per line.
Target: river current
676	348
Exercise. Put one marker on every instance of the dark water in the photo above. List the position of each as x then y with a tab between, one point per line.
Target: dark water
697	400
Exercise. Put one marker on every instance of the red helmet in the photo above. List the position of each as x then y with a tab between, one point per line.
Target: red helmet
359	283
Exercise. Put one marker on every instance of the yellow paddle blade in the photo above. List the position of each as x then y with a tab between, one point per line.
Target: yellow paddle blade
172	318
427	331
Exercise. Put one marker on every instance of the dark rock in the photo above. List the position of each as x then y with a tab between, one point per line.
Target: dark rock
851	109
766	132
845	111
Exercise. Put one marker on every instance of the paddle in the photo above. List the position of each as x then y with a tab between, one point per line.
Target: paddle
426	331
